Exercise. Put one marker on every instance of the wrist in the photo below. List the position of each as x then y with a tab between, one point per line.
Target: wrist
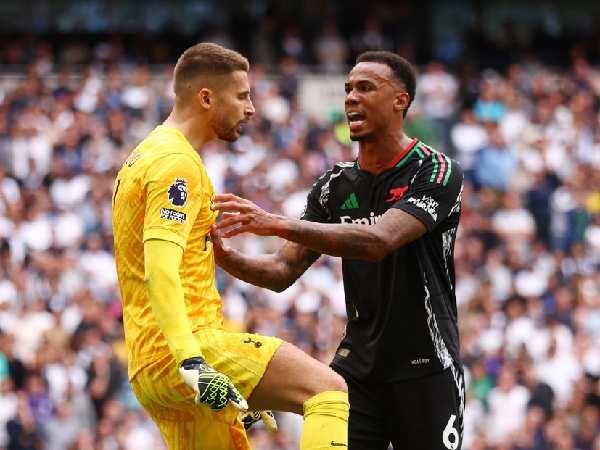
227	259
185	347
193	360
282	227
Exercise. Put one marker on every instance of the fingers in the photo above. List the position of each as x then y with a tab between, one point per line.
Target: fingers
225	198
269	420
230	206
215	237
236	398
238	401
234	231
230	221
250	418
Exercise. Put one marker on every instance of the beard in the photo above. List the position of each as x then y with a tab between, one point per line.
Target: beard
225	130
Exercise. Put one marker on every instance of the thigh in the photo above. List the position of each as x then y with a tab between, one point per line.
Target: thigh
242	357
428	412
291	378
186	427
367	429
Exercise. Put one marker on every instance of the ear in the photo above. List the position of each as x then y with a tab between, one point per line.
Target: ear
401	101
205	98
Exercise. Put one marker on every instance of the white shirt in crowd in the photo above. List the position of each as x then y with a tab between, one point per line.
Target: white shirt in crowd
507	412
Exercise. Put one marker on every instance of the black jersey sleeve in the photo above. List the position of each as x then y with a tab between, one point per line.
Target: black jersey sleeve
317	208
434	192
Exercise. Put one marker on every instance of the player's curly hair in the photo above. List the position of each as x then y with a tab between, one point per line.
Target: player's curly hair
205	60
402	70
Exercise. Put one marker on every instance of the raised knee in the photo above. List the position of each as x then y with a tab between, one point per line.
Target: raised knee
335	382
340	383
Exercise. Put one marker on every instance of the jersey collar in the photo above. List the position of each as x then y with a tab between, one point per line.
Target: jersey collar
395	161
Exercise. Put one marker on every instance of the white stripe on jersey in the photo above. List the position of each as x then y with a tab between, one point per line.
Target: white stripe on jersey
438	342
460	386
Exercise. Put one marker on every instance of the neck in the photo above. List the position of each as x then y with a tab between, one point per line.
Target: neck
377	155
194	127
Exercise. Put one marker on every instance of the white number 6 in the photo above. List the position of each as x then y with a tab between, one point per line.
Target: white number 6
451	431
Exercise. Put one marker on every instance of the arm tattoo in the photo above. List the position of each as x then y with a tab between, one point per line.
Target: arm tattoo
358	241
297	259
276	271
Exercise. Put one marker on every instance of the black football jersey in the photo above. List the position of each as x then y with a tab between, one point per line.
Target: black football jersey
402	319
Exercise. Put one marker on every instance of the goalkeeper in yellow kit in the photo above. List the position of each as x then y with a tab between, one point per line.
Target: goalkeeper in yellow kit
191	376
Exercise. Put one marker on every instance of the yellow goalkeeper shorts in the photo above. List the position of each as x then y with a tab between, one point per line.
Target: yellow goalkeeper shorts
243	357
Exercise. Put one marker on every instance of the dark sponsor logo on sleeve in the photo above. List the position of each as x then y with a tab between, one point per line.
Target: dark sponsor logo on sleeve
171	214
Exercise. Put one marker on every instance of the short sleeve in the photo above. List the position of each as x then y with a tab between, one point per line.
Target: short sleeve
173	196
434	193
317	207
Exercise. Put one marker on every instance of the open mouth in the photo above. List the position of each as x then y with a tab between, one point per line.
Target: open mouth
355	120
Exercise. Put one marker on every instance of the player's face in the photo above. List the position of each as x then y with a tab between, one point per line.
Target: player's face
235	107
370	99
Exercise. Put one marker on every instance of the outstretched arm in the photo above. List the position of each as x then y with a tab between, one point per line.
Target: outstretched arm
395	229
372	243
276	271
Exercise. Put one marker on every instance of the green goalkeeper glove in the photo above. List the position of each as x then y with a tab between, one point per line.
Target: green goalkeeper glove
251	417
212	388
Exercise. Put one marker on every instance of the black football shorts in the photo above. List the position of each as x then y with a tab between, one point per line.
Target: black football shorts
418	414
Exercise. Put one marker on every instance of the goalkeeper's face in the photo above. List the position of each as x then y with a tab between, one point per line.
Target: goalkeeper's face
233	107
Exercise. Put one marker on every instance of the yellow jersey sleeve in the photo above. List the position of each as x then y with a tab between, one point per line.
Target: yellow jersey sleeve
166	297
173	194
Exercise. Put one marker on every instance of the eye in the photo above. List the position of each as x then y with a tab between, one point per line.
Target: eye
365	88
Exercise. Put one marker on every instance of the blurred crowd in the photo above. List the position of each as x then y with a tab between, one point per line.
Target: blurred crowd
527	254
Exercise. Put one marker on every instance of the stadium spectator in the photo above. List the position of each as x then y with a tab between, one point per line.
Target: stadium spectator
437	90
331	49
507	407
495	163
468	136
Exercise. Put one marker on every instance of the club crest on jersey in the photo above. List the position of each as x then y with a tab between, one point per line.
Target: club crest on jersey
178	193
397	193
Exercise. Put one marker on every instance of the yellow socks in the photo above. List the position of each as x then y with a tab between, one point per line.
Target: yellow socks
326	421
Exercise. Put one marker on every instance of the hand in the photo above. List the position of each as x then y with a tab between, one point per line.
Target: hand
220	249
251	417
211	387
242	212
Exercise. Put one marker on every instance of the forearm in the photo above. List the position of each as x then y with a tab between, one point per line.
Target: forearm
265	271
166	298
343	240
370	242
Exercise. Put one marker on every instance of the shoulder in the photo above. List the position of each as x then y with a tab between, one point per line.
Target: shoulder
431	159
343	167
337	170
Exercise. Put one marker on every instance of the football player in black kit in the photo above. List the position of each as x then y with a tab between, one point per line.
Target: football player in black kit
392	216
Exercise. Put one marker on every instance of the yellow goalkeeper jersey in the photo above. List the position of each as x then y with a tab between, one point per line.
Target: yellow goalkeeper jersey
163	192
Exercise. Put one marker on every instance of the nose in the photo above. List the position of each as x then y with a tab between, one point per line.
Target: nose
250	109
351	97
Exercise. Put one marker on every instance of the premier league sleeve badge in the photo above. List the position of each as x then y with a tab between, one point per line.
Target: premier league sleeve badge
178	193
